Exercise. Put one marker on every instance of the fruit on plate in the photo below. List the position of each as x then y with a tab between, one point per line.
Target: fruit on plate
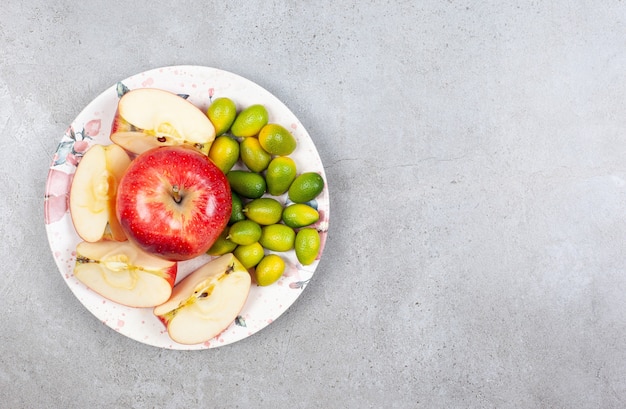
173	202
269	270
279	175
250	254
305	187
207	301
224	152
299	215
237	210
147	118
277	237
250	185
93	191
277	140
250	121
253	155
121	272
264	210
222	245
222	113
307	245
244	232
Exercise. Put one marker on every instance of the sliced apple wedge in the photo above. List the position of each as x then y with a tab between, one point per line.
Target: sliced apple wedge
93	191
148	117
207	301
125	274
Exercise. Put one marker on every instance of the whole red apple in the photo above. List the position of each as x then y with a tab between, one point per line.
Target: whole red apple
173	202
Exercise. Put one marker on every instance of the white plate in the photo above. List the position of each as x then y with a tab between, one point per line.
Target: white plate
200	85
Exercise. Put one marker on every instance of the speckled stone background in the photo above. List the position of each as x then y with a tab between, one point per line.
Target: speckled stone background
475	154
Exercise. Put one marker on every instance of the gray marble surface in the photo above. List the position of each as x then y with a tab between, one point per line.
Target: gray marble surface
475	153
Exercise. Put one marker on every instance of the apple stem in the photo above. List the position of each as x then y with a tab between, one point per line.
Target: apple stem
176	194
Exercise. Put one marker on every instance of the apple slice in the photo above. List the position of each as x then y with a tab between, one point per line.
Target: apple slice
93	192
125	274
207	301
147	118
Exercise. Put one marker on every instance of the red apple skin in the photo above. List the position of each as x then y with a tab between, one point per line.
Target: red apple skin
119	124
163	321
174	226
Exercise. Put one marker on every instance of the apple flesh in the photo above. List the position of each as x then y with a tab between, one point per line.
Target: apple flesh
207	301
173	202
93	192
121	272
147	118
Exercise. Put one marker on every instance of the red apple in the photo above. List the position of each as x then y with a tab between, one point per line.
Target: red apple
121	272
173	202
207	301
93	190
147	118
